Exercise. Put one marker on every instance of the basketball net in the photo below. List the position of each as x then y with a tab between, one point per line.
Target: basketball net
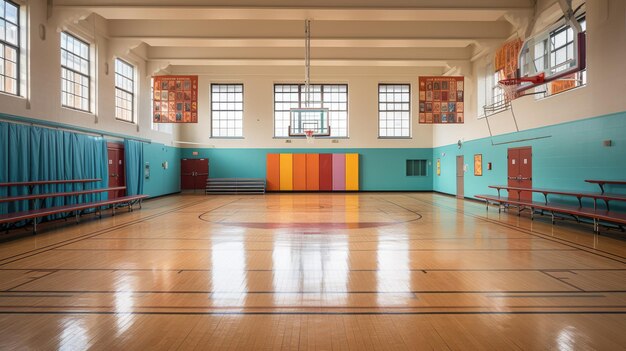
309	136
510	85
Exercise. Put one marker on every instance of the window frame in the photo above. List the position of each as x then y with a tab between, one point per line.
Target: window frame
212	136
18	51
132	93
423	165
409	111
301	93
88	76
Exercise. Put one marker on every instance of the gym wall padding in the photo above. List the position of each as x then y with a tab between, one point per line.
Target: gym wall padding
312	172
299	172
273	172
326	172
352	172
339	172
286	172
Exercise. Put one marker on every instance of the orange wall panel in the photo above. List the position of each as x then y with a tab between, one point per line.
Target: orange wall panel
273	172
313	172
286	172
299	172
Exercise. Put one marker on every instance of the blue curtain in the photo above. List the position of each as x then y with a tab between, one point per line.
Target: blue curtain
133	154
29	153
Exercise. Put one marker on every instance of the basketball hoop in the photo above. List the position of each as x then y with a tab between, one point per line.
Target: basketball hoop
510	85
309	136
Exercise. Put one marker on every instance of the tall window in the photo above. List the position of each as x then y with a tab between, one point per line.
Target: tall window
334	97
226	110
75	73
9	47
394	110
124	91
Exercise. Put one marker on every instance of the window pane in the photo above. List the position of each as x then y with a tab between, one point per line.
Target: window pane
226	110
9	48
75	73
395	115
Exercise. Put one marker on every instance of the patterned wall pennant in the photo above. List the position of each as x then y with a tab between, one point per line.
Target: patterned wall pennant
175	99
441	100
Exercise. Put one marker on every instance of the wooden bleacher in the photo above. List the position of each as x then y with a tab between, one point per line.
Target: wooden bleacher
35	212
596	214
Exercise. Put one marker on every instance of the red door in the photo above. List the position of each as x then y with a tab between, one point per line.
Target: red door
520	171
194	173
116	169
187	169
202	173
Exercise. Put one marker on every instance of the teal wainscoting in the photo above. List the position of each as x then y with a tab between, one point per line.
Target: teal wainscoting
162	181
379	169
570	153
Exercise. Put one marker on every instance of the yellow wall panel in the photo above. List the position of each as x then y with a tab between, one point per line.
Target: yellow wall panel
286	172
352	172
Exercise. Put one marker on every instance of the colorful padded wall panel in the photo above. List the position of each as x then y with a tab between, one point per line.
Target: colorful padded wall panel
273	172
312	172
441	100
286	172
299	172
339	172
352	172
326	172
175	99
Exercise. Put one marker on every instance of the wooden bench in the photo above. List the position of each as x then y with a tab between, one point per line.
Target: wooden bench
32	184
63	194
77	208
602	183
593	213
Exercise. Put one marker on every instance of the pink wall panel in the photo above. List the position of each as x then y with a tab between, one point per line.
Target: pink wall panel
339	172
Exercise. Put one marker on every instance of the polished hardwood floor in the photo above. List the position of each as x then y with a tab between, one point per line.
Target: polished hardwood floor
314	272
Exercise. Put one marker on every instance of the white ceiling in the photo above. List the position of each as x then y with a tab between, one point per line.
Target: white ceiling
420	33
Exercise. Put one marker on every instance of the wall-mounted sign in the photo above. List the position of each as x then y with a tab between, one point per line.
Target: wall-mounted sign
441	99
175	99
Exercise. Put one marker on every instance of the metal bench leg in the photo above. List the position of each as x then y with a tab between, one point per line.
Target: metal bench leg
141	201
552	213
113	210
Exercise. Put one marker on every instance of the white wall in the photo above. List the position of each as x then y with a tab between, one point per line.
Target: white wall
44	70
603	94
258	124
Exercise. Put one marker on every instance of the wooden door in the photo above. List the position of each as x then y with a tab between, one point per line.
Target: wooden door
460	177
202	173
520	171
187	167
116	169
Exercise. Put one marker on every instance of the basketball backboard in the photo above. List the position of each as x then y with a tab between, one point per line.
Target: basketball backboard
556	52
303	119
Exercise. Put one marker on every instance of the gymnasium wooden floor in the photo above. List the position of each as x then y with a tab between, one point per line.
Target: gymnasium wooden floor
314	271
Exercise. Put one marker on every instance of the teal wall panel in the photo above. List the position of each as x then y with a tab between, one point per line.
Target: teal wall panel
379	169
162	181
566	155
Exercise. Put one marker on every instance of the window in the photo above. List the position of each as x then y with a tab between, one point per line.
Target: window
416	168
394	110
490	94
124	91
75	73
554	55
334	97
226	110
9	47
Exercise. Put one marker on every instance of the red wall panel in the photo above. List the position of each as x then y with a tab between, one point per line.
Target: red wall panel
326	172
